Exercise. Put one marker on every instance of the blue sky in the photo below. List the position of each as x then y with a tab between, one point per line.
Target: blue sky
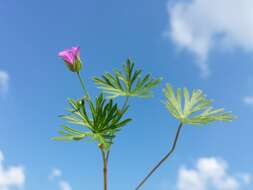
180	41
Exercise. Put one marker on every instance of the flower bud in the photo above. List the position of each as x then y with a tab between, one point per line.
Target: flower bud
72	58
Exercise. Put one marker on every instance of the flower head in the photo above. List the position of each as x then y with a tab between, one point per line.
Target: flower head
72	58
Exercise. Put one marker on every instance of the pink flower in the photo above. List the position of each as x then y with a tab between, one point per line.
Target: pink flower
70	55
72	58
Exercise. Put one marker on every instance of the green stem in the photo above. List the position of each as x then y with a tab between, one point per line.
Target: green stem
163	159
125	104
83	86
104	157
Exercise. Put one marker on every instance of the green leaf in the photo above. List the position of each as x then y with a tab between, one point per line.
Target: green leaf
102	119
70	134
63	138
126	83
196	109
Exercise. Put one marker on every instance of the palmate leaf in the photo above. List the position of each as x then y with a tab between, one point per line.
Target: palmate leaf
196	109
101	119
127	82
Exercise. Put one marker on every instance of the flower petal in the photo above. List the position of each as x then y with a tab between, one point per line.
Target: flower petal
76	51
67	56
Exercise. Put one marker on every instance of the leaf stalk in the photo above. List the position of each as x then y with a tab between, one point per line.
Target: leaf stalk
83	86
163	159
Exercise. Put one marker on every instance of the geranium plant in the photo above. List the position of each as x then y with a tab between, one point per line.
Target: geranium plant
100	118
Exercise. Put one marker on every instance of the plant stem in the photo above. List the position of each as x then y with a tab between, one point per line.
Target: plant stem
105	157
163	159
125	104
121	110
83	86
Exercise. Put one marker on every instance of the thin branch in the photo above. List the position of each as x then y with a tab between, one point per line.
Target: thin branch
104	157
125	104
163	159
83	86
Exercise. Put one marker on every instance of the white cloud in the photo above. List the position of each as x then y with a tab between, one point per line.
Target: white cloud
4	82
246	178
55	173
211	174
201	25
64	185
248	100
10	177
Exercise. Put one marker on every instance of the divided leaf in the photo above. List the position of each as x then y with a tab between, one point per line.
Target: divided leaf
193	108
102	120
127	82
